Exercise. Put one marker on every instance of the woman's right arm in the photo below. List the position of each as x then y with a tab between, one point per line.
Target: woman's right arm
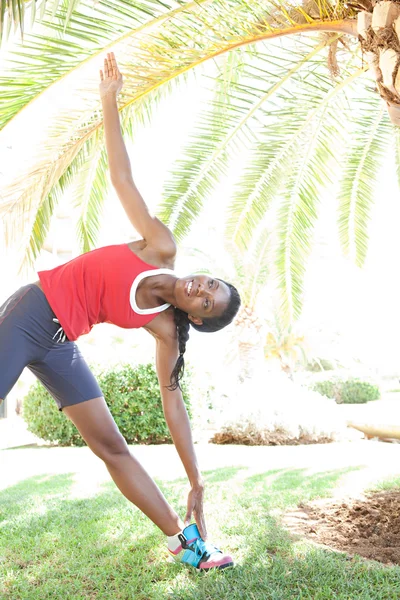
176	416
153	231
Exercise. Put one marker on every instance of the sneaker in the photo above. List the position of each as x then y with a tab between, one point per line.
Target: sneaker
198	553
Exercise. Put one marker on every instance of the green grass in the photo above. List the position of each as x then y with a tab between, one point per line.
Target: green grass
53	545
390	483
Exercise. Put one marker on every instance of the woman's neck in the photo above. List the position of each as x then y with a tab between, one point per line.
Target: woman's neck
155	290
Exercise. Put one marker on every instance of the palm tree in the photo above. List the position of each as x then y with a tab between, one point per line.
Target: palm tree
275	104
288	348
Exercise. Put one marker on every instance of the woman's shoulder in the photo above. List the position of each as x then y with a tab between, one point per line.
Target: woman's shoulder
152	256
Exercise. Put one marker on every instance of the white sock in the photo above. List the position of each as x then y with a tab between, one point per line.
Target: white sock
174	542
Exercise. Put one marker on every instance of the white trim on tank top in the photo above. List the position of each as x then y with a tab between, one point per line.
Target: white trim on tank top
138	279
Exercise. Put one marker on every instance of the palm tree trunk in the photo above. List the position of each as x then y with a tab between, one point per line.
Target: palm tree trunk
379	34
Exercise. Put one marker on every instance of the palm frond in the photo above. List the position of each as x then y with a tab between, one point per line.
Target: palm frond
284	120
19	9
29	69
225	131
369	139
252	269
298	210
87	176
194	178
41	224
261	260
150	55
40	227
272	14
161	31
141	113
90	191
80	169
11	13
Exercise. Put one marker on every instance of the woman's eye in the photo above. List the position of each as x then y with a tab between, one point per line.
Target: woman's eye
210	283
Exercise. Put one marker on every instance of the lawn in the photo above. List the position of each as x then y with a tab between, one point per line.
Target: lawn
61	541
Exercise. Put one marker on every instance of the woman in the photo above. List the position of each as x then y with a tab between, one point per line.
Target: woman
130	285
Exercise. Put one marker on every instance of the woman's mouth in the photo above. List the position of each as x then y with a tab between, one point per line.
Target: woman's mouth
189	287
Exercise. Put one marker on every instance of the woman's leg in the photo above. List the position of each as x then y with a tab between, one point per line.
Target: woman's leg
18	345
99	430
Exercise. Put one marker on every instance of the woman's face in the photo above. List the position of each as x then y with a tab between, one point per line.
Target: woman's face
201	296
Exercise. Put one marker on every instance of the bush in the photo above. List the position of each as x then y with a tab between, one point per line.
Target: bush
273	410
330	388
132	395
349	391
40	412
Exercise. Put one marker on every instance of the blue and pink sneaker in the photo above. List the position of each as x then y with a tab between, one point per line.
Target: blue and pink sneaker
199	554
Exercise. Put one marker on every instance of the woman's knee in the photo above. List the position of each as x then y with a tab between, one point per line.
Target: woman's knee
110	448
97	427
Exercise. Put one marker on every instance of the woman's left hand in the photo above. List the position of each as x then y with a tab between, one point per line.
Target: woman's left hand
195	507
111	80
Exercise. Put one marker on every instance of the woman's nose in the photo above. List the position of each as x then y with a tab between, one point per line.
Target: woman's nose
203	291
200	290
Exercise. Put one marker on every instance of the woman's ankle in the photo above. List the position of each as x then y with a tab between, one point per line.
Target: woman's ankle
173	528
175	542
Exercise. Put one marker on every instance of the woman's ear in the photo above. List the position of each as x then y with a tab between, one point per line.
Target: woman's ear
195	320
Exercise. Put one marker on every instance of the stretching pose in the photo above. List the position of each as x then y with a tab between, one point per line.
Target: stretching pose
130	285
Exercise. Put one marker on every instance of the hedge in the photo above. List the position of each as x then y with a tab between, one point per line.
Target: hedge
132	395
348	391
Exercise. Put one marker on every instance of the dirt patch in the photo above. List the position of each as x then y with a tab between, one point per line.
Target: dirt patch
266	438
369	526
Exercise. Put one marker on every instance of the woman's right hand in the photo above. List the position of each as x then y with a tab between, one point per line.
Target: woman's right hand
195	508
111	80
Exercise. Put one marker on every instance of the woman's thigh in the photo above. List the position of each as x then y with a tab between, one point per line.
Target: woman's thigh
97	427
66	375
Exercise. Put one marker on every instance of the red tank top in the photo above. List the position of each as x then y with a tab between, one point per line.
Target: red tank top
98	287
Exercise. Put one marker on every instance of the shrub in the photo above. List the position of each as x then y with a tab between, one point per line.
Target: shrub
132	395
273	410
46	421
348	391
330	388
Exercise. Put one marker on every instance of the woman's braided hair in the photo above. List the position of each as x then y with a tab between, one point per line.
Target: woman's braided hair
183	324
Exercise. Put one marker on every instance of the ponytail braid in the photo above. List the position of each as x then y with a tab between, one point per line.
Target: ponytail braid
182	325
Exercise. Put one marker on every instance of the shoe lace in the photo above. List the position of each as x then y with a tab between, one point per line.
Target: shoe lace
203	549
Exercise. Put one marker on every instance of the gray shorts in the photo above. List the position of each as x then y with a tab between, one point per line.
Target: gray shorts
30	336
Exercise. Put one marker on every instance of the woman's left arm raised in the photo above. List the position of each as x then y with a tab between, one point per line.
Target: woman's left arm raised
152	230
